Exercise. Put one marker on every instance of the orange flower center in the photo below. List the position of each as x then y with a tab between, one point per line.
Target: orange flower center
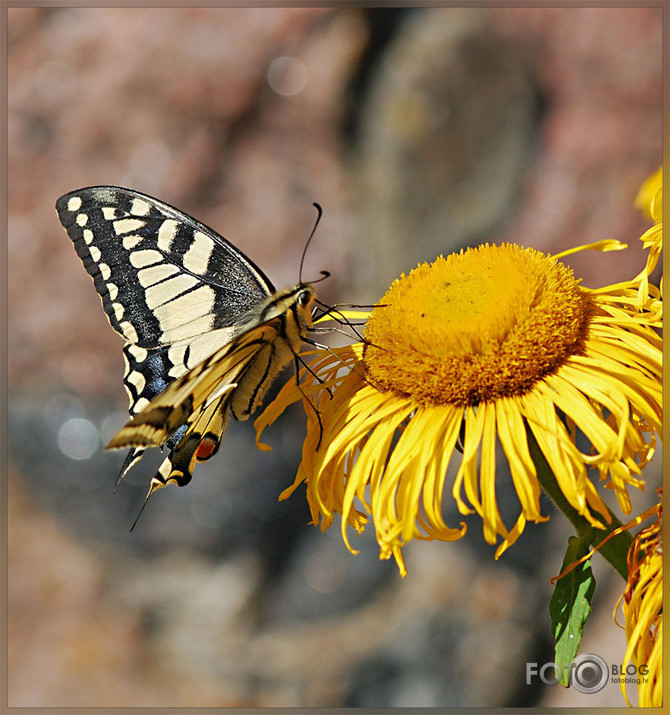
481	324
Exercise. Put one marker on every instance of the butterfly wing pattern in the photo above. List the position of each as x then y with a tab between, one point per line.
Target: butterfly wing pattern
205	331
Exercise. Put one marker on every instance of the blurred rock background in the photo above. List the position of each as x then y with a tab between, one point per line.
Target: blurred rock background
420	131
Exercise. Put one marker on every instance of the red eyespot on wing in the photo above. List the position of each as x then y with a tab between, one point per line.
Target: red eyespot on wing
207	448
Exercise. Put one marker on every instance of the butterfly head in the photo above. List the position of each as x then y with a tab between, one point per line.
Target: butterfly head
291	306
305	305
303	298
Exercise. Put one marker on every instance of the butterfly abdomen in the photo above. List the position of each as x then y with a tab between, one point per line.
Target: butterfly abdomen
291	313
258	377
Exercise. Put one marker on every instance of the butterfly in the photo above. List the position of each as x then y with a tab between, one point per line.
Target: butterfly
205	330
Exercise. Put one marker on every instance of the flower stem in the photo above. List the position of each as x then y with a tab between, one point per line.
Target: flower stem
616	549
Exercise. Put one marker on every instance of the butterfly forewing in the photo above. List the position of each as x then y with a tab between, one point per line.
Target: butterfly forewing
163	277
194	313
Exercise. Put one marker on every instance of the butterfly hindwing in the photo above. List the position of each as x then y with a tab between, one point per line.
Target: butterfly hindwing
238	374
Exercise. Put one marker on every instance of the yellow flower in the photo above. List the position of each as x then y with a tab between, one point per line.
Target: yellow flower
649	198
650	201
643	611
497	344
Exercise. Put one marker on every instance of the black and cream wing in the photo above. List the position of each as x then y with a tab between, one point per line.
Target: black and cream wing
175	290
163	277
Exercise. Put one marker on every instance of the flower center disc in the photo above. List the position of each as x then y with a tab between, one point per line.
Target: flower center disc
484	323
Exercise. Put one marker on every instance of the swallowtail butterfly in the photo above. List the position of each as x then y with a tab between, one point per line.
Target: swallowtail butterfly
205	330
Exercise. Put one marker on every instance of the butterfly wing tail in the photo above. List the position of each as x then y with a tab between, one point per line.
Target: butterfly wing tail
196	443
133	456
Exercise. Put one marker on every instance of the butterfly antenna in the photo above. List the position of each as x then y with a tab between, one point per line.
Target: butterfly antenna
319	213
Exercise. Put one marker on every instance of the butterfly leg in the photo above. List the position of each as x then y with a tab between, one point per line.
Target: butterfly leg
297	362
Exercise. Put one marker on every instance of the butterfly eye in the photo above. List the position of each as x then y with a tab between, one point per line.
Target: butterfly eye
304	297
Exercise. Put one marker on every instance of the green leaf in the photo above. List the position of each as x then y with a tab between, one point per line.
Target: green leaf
570	604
